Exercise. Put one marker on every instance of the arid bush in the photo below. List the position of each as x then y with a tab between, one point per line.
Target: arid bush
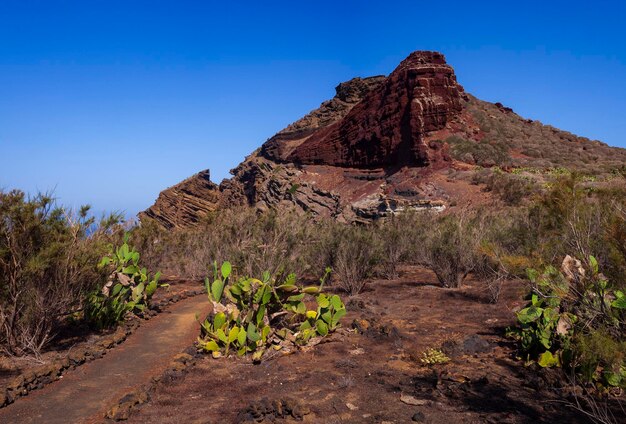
495	245
512	189
451	246
254	242
396	241
356	257
48	258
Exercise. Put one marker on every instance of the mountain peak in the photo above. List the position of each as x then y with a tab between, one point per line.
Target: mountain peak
389	124
384	144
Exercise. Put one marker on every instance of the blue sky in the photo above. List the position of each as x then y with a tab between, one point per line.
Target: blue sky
109	102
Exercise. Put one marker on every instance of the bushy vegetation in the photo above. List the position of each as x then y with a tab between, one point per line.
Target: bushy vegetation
450	246
511	188
48	258
128	289
483	153
252	242
48	255
263	316
50	277
575	319
356	255
492	244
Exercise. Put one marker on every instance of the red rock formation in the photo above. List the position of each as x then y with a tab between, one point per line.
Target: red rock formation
349	93
388	126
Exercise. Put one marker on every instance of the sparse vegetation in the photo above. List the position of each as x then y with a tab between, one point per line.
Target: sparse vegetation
569	324
531	144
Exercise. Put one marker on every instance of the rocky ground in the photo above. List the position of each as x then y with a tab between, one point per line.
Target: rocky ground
374	374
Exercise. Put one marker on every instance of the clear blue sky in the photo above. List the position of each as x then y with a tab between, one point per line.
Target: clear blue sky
109	102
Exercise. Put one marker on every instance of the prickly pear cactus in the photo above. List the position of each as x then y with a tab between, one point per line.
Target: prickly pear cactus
257	317
128	289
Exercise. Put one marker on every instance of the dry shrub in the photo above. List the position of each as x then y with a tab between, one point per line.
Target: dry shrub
48	258
450	247
494	245
396	241
356	257
254	242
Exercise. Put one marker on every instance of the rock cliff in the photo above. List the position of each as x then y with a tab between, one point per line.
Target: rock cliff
185	203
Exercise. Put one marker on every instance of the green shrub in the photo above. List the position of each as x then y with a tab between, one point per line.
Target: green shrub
48	257
576	320
483	153
260	316
128	289
572	218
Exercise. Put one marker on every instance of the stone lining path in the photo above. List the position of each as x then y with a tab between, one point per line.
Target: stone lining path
84	394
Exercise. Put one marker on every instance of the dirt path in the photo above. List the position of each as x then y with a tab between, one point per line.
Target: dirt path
83	395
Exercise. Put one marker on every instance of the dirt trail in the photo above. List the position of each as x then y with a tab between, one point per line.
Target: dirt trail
83	394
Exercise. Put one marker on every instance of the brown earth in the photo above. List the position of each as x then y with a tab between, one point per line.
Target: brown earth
375	376
85	393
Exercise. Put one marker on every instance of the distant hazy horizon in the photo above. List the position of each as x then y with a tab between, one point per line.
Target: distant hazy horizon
108	103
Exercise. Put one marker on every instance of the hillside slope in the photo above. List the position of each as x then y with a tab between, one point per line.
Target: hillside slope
384	144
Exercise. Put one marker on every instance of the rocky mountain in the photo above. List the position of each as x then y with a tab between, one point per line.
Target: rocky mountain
384	144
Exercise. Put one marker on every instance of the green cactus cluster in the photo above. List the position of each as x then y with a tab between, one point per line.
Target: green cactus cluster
433	357
128	289
574	322
252	316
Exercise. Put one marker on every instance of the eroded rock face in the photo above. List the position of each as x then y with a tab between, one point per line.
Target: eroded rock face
184	204
387	128
349	93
